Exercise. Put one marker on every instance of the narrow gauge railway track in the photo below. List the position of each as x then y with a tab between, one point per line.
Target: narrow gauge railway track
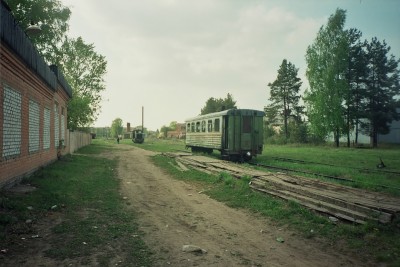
332	165
300	171
318	175
313	173
347	203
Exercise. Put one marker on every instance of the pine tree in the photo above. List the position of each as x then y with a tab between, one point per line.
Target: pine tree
285	96
382	88
218	104
356	78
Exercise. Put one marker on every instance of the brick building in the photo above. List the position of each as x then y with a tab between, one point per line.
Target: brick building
33	104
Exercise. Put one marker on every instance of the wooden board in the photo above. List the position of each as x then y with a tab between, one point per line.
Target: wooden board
352	204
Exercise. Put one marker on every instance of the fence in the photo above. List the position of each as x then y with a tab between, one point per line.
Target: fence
76	140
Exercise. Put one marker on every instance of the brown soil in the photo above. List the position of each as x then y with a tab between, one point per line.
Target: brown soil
174	213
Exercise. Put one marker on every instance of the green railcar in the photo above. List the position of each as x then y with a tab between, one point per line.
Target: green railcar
236	133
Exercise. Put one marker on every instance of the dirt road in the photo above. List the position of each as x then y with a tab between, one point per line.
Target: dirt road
173	214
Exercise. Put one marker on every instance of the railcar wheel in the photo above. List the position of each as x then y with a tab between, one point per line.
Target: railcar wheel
247	157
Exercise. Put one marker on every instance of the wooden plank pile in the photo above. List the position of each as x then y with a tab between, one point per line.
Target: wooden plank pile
351	204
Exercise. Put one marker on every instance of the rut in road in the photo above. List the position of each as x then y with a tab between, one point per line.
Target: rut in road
173	213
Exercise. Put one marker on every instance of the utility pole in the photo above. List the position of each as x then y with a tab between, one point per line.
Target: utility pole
142	119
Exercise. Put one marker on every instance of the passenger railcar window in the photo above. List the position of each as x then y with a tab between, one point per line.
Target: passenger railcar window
198	126
246	124
188	127
216	125
203	126
192	128
209	126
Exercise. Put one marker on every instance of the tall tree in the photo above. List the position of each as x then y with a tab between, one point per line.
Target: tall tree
84	69
381	92
326	66
285	95
354	75
116	127
356	78
50	15
218	104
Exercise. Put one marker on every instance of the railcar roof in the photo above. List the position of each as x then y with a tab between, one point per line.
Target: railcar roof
228	112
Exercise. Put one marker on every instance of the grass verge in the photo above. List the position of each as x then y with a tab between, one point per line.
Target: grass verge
80	193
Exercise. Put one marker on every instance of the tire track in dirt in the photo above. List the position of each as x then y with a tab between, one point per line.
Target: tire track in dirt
173	213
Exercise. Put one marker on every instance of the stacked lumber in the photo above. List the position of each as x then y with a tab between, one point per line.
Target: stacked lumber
350	204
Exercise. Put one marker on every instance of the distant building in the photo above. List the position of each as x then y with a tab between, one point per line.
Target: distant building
179	132
393	137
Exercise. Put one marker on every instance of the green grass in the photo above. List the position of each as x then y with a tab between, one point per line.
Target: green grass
381	242
85	190
158	145
349	163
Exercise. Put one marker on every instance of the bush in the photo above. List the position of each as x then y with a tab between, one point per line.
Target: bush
298	133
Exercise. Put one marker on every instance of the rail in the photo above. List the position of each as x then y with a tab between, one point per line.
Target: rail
347	203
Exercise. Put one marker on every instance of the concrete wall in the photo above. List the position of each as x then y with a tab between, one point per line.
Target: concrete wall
77	140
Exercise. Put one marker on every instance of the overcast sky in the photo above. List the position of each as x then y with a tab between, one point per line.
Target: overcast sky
170	56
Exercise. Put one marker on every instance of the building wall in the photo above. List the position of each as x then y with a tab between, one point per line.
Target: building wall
393	137
31	115
33	112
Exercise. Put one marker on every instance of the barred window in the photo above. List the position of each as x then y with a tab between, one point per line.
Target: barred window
46	128
34	124
11	122
56	125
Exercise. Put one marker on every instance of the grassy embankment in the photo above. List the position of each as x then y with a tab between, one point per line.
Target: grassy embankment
83	191
380	242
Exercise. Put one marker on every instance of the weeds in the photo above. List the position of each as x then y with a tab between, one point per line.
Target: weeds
83	191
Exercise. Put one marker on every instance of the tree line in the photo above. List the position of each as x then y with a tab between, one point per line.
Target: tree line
353	86
82	66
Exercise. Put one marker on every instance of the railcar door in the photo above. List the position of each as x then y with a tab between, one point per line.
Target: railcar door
225	133
246	132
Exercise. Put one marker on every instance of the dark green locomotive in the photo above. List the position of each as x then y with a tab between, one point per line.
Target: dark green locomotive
137	136
236	133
